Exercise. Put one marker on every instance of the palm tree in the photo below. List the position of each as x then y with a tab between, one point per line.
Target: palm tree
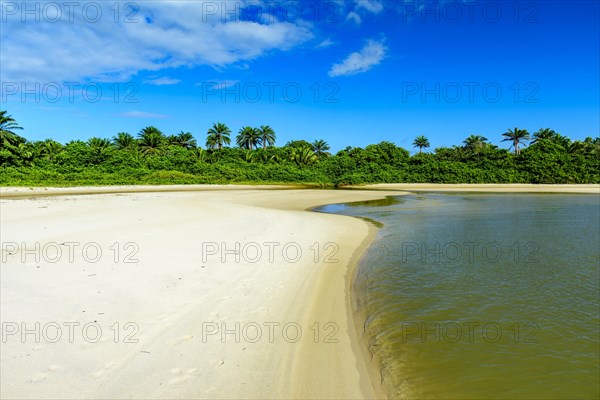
218	135
592	146
421	142
320	147
475	142
561	140
98	143
297	144
183	139
7	137
199	154
576	147
249	156
248	138
303	156
543	134
25	152
266	157
124	140
49	149
267	136
516	136
151	140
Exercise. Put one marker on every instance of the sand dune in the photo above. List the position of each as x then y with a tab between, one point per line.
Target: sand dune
166	310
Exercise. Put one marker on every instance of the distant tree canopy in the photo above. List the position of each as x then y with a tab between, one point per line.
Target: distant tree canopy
152	157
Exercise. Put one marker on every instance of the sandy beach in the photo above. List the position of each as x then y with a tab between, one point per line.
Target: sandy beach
187	292
140	295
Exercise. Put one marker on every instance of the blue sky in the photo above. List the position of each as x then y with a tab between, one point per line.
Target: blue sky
351	72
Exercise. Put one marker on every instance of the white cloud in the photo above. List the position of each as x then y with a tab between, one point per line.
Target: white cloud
165	80
325	43
352	16
373	6
167	34
142	114
370	55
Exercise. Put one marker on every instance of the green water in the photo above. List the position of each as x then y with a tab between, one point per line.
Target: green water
475	296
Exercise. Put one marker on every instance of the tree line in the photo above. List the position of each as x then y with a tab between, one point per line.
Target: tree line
155	158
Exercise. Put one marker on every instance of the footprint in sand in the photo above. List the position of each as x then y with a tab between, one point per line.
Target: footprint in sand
38	378
261	311
163	317
179	377
248	282
177	341
101	372
179	380
98	374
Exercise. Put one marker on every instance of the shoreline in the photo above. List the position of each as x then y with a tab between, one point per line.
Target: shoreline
37	191
306	370
359	319
481	187
25	191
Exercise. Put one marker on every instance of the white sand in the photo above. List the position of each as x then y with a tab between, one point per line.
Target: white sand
171	296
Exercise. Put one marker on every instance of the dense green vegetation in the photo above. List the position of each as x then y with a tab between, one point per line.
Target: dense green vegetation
155	158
